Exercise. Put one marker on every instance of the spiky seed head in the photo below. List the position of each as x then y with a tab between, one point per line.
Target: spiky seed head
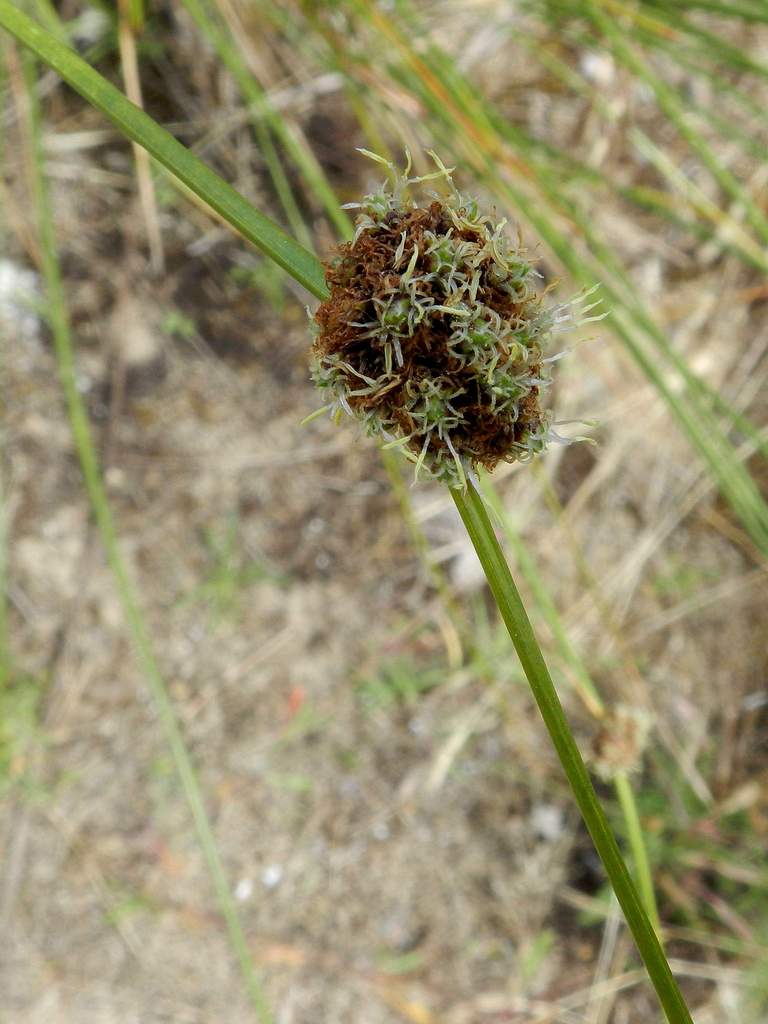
433	334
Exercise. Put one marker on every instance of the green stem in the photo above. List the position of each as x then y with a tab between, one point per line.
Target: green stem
5	647
637	845
475	517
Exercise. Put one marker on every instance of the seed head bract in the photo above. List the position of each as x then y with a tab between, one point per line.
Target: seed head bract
433	334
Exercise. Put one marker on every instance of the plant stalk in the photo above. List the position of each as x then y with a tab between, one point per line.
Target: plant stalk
481	533
637	845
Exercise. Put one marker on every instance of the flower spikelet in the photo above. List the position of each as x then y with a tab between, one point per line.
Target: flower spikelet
433	334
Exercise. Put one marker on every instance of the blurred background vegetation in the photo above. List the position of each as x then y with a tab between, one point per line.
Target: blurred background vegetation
396	837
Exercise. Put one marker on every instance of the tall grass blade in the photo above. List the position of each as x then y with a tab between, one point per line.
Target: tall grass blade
130	20
81	432
229	57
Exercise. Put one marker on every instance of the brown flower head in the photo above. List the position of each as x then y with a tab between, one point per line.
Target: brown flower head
433	334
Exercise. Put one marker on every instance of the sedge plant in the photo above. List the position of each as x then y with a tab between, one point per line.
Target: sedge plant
430	332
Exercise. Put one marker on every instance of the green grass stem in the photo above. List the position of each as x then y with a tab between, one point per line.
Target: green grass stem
636	840
59	323
473	513
5	647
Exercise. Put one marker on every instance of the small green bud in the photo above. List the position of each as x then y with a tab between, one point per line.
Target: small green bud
396	314
441	258
483	336
497	275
